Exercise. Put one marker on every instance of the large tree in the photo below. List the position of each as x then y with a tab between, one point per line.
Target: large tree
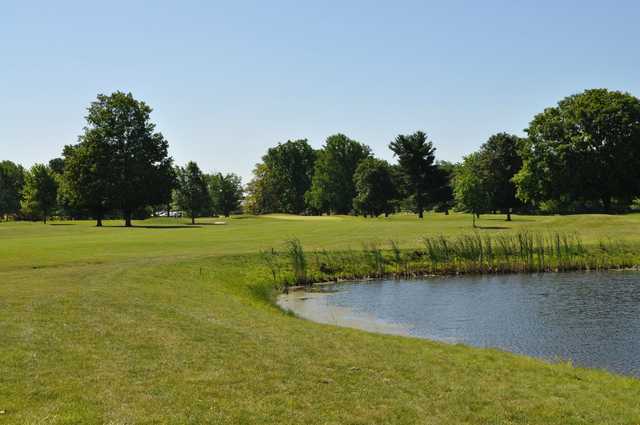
287	172
416	157
226	192
501	161
140	171
87	178
442	193
260	197
332	187
374	188
191	193
469	186
584	151
40	191
11	184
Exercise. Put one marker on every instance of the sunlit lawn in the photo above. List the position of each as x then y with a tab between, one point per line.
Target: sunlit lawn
168	323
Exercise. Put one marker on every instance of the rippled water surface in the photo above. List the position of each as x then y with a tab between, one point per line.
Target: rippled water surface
592	319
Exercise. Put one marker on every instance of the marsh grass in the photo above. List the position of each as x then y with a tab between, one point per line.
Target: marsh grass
298	261
520	252
270	259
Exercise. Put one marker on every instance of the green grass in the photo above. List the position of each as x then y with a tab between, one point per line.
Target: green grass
163	324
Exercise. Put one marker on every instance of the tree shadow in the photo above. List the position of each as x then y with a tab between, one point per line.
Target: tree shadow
61	224
492	227
150	226
513	218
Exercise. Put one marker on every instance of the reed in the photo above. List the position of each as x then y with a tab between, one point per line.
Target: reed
521	252
270	258
398	258
374	259
298	261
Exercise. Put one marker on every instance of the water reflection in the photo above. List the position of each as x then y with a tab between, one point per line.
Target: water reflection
592	319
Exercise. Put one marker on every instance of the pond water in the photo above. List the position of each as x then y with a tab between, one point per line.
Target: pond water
591	319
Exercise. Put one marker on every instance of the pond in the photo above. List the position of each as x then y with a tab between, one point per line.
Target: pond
591	319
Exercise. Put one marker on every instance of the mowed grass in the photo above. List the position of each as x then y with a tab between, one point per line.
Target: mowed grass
170	323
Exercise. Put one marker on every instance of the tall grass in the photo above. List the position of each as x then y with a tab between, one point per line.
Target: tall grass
298	261
469	253
374	258
270	258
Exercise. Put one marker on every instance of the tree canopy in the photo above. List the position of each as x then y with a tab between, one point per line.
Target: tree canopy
501	161
581	155
226	193
584	152
11	183
442	191
374	188
40	191
416	157
470	186
191	193
287	172
139	170
87	180
332	187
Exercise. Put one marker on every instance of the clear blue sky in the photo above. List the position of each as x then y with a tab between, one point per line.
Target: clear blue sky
228	80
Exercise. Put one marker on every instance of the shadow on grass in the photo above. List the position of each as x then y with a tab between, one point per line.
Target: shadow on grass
513	219
492	227
61	224
184	226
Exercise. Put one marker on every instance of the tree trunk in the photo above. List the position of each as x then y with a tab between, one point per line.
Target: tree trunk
99	221
446	211
474	220
45	218
193	218
509	215
127	219
420	212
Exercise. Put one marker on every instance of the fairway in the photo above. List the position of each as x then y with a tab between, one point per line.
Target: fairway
167	322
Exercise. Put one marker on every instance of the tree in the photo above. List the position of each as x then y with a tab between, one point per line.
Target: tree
40	191
586	150
87	178
11	184
287	172
57	165
260	196
191	193
332	186
374	187
416	156
501	161
470	186
139	170
226	192
442	194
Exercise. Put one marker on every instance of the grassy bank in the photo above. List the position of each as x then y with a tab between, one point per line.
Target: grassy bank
168	323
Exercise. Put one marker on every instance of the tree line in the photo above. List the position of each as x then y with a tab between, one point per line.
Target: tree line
120	167
581	155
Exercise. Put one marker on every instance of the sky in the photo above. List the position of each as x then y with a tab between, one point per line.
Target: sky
228	80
